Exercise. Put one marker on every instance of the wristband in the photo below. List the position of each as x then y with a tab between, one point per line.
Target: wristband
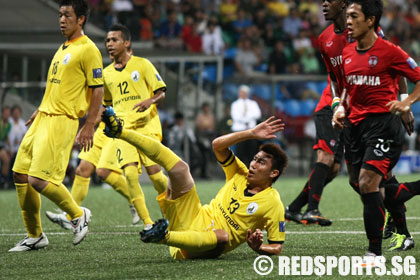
335	102
403	96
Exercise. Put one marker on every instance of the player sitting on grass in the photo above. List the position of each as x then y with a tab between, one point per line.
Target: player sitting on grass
244	206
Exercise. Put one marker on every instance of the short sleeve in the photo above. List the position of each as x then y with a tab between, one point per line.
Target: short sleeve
152	77
92	66
275	223
233	165
404	65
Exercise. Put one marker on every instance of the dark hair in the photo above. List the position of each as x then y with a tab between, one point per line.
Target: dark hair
278	157
179	116
16	107
80	8
125	33
370	8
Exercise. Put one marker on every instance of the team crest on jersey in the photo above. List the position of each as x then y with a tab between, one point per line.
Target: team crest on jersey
252	208
66	59
135	75
373	60
329	44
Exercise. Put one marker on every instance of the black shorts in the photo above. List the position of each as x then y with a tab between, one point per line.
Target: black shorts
375	143
328	139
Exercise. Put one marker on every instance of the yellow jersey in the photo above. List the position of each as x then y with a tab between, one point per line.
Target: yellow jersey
235	210
74	70
136	82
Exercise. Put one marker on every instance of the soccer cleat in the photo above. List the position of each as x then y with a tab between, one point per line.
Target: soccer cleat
113	125
400	242
60	219
315	217
134	215
293	216
156	233
389	227
80	226
29	244
148	227
370	260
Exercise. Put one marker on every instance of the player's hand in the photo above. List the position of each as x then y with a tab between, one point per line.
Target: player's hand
268	128
31	119
143	106
339	117
85	136
255	239
397	107
407	119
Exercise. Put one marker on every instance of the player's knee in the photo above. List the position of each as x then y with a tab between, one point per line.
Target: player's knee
222	236
102	173
84	170
325	158
20	178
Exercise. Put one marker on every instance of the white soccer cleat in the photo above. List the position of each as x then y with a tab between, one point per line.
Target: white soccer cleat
80	226
29	244
134	215
59	219
148	227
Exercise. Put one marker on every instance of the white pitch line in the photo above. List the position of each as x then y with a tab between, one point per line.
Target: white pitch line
135	233
361	219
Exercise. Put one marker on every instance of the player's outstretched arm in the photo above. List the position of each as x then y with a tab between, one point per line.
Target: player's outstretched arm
85	136
255	241
263	131
156	99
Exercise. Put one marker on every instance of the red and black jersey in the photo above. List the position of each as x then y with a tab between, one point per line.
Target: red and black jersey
371	77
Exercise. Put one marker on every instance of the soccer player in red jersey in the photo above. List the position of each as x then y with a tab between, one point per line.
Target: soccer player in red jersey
371	68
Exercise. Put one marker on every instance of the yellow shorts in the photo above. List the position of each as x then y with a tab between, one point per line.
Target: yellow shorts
184	213
45	150
99	141
118	153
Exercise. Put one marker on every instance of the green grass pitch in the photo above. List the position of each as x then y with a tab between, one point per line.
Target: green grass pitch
113	250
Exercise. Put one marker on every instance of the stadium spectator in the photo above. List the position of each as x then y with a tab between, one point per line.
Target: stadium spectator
247	57
205	130
5	145
195	231
170	33
40	168
212	39
292	23
241	23
373	162
277	59
16	134
245	113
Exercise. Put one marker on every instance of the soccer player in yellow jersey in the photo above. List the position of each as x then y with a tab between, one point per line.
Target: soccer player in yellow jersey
74	87
134	87
244	206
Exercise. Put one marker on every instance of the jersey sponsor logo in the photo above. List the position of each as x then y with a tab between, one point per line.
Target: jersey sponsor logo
54	81
135	75
329	44
252	208
412	63
97	73
228	219
365	80
373	60
335	61
125	99
282	227
66	59
347	61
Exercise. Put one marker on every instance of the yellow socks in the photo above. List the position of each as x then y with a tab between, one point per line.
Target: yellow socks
30	204
192	241
136	193
151	148
61	196
80	189
160	181
119	183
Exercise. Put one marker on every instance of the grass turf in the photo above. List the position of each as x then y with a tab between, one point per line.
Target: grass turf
113	249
